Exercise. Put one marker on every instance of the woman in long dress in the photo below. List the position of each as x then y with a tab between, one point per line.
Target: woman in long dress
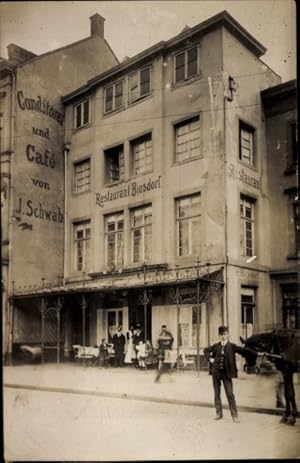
130	356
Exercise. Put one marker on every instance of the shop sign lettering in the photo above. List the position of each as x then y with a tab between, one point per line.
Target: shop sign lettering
41	132
40	105
46	159
133	189
240	175
39	211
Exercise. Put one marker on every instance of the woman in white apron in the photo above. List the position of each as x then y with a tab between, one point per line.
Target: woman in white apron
130	355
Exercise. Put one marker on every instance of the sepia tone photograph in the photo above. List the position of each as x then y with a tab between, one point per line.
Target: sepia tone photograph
149	230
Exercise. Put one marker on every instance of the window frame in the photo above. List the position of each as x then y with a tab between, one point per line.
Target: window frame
133	161
176	126
185	53
86	251
142	227
82	122
190	226
244	127
117	215
248	307
74	183
139	84
121	157
244	220
114	86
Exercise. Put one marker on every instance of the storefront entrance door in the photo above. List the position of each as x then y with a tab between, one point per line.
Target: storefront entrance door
114	318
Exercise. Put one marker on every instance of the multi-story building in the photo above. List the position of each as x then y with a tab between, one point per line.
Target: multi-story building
32	164
283	190
168	198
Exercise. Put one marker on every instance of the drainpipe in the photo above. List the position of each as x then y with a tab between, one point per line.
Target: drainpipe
10	285
225	303
67	147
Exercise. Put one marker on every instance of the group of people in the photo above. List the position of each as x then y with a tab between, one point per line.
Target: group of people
130	349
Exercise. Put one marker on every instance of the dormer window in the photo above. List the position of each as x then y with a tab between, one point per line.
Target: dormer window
186	64
82	114
113	97
139	84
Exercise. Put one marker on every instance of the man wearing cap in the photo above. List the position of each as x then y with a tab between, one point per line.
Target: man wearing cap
223	368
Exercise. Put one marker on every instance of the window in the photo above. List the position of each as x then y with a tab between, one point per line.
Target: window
186	64
188	218
82	240
247	311
187	139
114	236
246	226
114	164
82	176
291	306
141	150
246	153
82	114
141	232
140	84
296	226
113	97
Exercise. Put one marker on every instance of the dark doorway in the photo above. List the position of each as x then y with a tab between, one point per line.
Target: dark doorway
136	311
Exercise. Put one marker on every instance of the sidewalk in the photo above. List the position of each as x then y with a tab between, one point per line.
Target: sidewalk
253	392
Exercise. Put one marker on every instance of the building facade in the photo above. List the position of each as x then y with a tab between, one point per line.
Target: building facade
32	163
169	199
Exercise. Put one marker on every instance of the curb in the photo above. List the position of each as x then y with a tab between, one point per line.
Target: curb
117	395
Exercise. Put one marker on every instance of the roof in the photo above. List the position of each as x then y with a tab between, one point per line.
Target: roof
6	67
223	19
279	90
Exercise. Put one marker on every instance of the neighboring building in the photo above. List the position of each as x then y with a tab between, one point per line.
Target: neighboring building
168	197
282	164
32	163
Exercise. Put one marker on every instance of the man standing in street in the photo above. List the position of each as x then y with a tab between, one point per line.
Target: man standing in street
165	343
223	368
119	344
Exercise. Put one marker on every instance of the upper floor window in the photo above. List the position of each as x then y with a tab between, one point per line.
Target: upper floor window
139	84
82	176
188	225
82	239
186	64
187	139
141	151
82	116
114	97
114	164
246	141
141	232
114	239
246	226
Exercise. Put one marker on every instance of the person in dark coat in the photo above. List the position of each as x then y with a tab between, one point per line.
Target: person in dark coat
223	369
118	341
165	344
138	336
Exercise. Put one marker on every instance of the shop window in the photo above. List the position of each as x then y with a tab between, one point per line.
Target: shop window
246	144
114	97
188	225
114	164
247	311
140	84
141	233
187	139
114	239
141	152
82	115
247	226
82	243
82	176
186	64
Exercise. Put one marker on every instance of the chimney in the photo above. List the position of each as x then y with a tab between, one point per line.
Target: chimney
17	55
97	25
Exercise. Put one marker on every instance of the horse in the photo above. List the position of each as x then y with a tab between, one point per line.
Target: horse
282	347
